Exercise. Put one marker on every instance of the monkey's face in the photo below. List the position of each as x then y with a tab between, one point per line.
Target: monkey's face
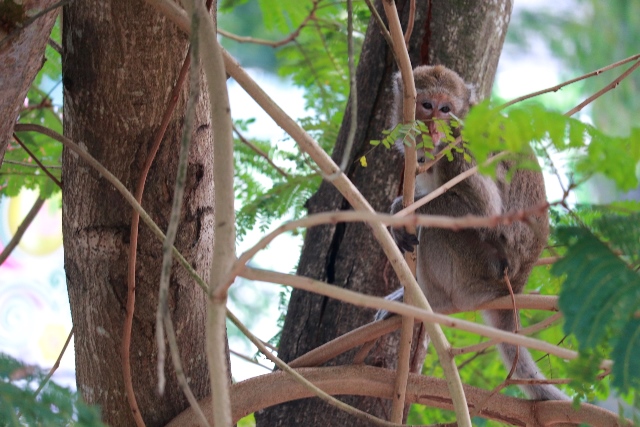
430	108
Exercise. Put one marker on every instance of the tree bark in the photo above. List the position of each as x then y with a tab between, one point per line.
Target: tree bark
466	36
21	57
121	59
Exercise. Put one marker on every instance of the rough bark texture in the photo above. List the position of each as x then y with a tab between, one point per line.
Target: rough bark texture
466	36
21	57
121	59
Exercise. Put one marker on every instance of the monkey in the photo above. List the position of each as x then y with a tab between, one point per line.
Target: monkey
460	270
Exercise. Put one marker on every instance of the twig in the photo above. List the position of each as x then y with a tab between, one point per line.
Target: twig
224	227
604	90
29	165
259	152
568	82
31	20
547	261
386	220
291	37
516	322
372	331
382	27
55	46
448	185
526	331
425	316
249	359
22	228
162	313
410	159
410	24
35	159
82	153
180	375
56	365
353	90
306	383
133	236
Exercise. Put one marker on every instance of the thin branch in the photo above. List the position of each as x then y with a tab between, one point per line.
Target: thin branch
22	228
180	374
133	235
386	220
568	82
353	90
425	316
306	383
604	90
162	312
56	365
448	185
35	159
55	46
259	152
382	27
547	261
412	18
249	359
224	227
82	153
29	165
410	161
526	331
372	331
31	20
291	37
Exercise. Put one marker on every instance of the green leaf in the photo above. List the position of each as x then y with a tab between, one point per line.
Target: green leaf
363	161
599	292
626	369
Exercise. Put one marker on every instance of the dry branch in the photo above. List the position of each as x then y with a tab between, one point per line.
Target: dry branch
272	389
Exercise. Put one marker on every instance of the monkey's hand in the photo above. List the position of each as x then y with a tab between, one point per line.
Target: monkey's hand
405	240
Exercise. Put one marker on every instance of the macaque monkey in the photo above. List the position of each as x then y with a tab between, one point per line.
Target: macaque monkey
460	270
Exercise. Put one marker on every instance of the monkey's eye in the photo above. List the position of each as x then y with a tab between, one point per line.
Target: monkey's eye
427	105
445	109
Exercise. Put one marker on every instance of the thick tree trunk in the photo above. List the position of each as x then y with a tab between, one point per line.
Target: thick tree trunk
464	35
21	57
121	59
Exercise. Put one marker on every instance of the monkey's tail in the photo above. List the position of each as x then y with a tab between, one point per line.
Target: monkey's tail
526	367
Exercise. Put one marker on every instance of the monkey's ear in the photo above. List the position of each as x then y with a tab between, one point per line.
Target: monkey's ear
473	95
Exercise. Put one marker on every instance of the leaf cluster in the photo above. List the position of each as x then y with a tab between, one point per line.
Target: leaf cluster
489	130
601	293
264	194
54	405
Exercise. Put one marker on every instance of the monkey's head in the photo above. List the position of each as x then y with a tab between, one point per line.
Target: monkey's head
440	92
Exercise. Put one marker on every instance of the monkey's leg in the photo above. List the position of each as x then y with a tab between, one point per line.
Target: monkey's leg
526	367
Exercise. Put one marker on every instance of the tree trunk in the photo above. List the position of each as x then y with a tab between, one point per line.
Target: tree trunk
466	36
121	59
21	57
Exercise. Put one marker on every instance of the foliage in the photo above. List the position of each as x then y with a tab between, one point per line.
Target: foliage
54	405
601	292
489	130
